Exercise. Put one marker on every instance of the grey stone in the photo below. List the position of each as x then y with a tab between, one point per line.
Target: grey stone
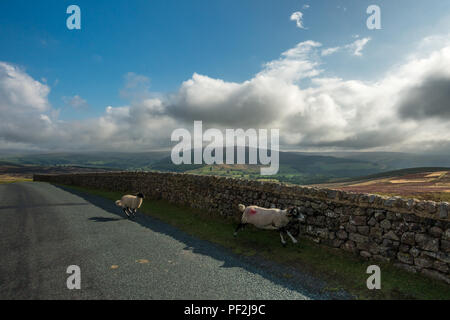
385	224
404	248
410	204
349	246
446	235
423	262
331	214
379	215
430	206
406	267
322	233
436	232
408	238
443	257
372	222
381	258
390	202
443	210
376	232
414	252
405	258
364	230
390	215
445	245
358	220
341	234
427	243
440	266
391	235
350	228
357	237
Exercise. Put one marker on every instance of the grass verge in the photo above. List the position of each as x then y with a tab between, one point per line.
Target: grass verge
339	269
11	179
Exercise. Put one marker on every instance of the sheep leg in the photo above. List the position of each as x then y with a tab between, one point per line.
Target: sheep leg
126	212
282	239
292	238
130	212
239	227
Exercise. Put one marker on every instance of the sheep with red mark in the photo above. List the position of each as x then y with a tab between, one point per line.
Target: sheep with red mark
269	219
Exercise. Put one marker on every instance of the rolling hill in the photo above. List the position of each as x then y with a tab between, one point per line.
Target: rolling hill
295	167
421	183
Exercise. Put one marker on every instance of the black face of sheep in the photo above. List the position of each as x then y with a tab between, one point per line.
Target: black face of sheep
293	212
140	195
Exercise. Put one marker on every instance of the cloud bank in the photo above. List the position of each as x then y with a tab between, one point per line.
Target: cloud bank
405	110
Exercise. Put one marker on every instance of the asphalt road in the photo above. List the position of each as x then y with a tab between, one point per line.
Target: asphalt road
44	229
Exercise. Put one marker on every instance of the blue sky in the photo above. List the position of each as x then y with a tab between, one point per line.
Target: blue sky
166	42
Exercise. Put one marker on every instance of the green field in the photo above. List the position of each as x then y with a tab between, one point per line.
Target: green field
340	269
11	179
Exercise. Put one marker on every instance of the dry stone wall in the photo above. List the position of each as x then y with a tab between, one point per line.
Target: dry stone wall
412	234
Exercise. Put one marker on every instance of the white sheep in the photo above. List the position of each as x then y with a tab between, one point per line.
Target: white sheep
269	219
130	204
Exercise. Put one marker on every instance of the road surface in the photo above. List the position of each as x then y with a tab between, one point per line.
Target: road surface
44	229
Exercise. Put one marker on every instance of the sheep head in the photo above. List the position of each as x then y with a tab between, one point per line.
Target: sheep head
293	212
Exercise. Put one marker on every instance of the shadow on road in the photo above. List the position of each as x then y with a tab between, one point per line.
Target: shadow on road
43	205
298	281
103	219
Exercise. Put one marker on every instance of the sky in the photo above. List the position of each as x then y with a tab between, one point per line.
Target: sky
137	70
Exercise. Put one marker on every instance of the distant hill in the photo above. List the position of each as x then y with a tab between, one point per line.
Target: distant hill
295	167
394	160
111	160
12	170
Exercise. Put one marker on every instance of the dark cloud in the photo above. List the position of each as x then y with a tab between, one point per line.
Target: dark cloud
431	99
361	140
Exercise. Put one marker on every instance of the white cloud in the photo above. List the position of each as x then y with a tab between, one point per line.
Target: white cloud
18	89
355	48
136	86
298	18
330	51
358	46
76	102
